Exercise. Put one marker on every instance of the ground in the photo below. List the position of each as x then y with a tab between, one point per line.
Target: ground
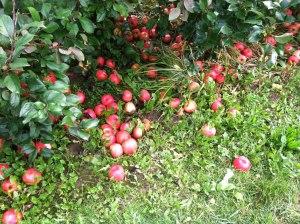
175	174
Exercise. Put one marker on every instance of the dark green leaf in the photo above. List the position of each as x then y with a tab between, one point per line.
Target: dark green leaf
34	14
14	99
19	63
46	9
284	38
6	26
3	57
78	133
89	123
87	25
12	82
51	27
21	42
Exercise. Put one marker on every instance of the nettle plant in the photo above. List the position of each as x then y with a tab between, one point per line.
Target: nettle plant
39	40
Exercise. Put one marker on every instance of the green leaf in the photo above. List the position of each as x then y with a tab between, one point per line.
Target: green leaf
72	28
14	99
53	96
12	82
120	8
62	67
46	9
84	3
78	133
21	42
226	30
6	26
34	14
51	27
3	57
87	25
284	38
19	63
26	108
89	123
101	15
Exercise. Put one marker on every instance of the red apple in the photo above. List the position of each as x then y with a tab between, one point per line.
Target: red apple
125	127
9	186
113	120
220	79
218	68
108	139
194	86
137	132
51	78
133	21
107	129
115	78
129	108
190	106
113	107
208	131
99	109
116	172
107	99
167	38
145	96
288	48
101	75
122	136
216	105
130	146
178	39
174	103
241	163
127	96
271	40
247	52
39	145
81	96
101	61
11	216
31	176
239	46
293	60
116	150
242	59
90	113
152	73
144	36
110	63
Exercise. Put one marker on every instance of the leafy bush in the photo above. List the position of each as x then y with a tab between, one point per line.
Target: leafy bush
209	24
39	41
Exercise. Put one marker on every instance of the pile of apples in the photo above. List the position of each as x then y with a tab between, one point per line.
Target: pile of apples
9	185
120	138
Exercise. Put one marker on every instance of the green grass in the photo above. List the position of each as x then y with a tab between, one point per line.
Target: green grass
173	177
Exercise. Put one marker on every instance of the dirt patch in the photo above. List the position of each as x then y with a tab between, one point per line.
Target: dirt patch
153	116
86	177
274	97
76	149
